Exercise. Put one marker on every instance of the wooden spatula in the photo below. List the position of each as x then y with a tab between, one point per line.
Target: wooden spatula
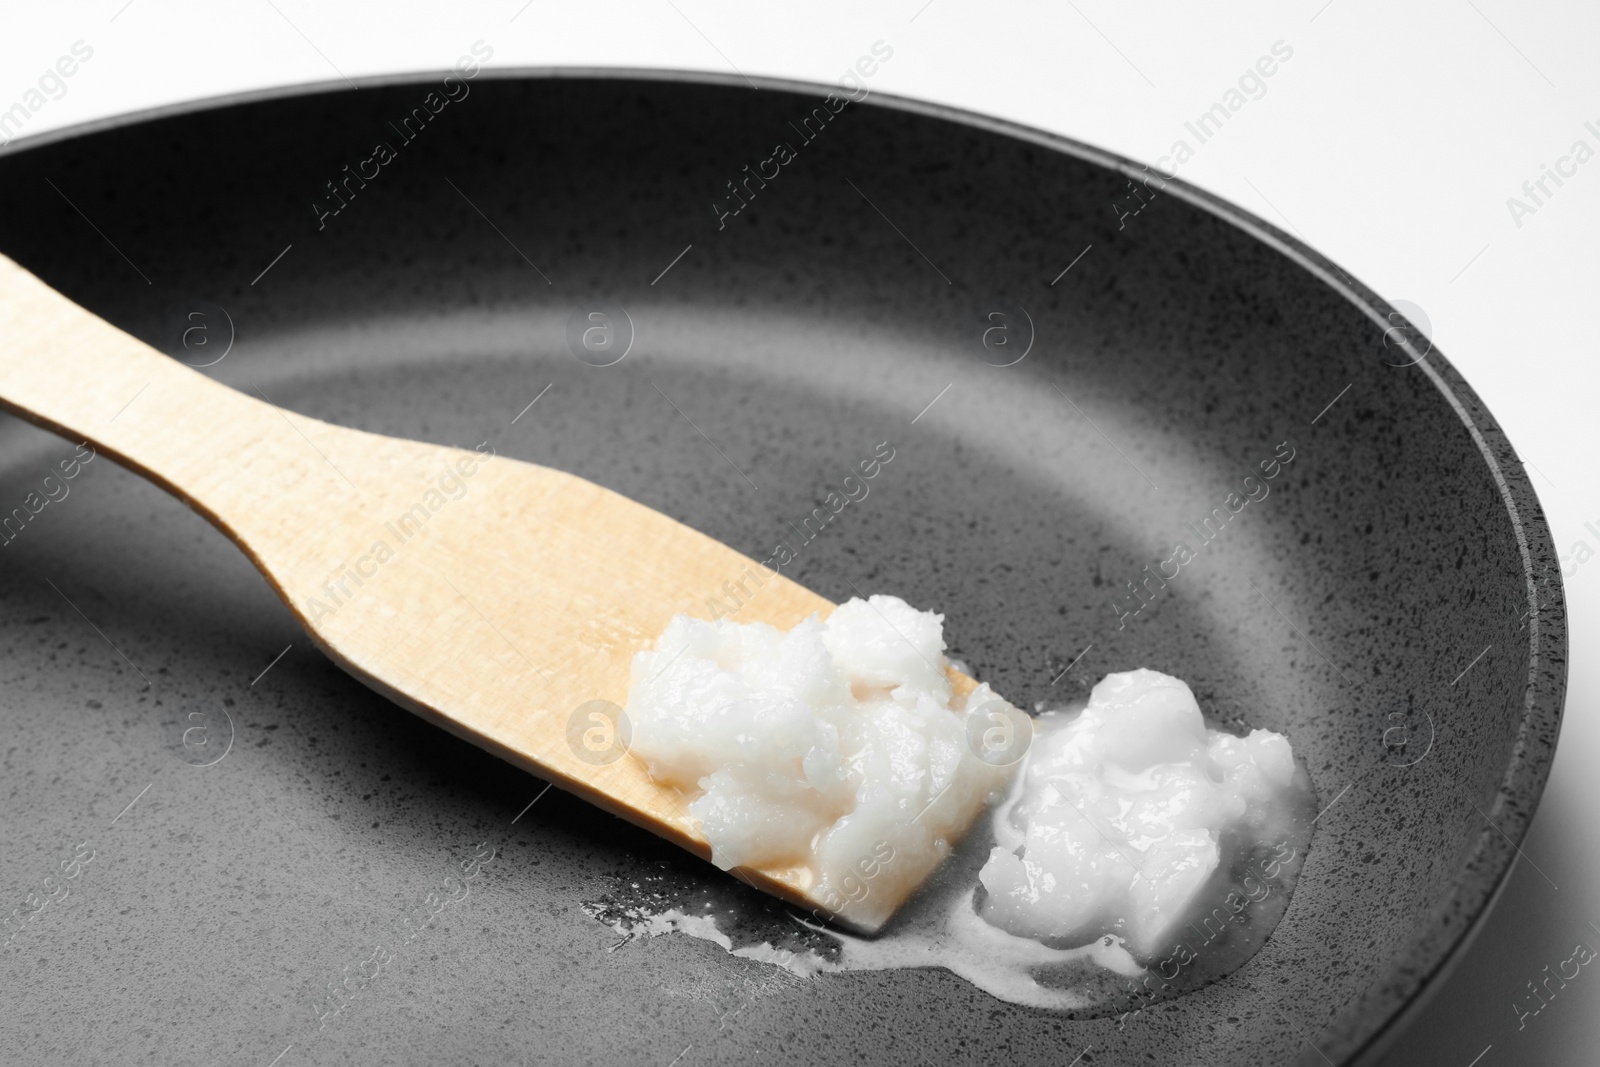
496	598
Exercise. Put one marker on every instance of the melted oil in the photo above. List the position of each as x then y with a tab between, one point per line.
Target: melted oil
940	925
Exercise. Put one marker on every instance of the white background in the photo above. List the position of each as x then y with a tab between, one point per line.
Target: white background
1391	142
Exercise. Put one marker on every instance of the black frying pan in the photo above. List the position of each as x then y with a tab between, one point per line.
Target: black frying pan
1392	604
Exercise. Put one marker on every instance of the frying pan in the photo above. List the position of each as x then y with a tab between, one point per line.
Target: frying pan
223	849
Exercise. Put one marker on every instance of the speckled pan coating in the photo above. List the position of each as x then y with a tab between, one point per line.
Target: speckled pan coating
1400	565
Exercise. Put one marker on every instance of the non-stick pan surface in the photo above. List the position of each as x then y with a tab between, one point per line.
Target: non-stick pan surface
208	845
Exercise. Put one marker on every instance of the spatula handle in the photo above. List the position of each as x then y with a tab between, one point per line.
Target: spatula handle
77	375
